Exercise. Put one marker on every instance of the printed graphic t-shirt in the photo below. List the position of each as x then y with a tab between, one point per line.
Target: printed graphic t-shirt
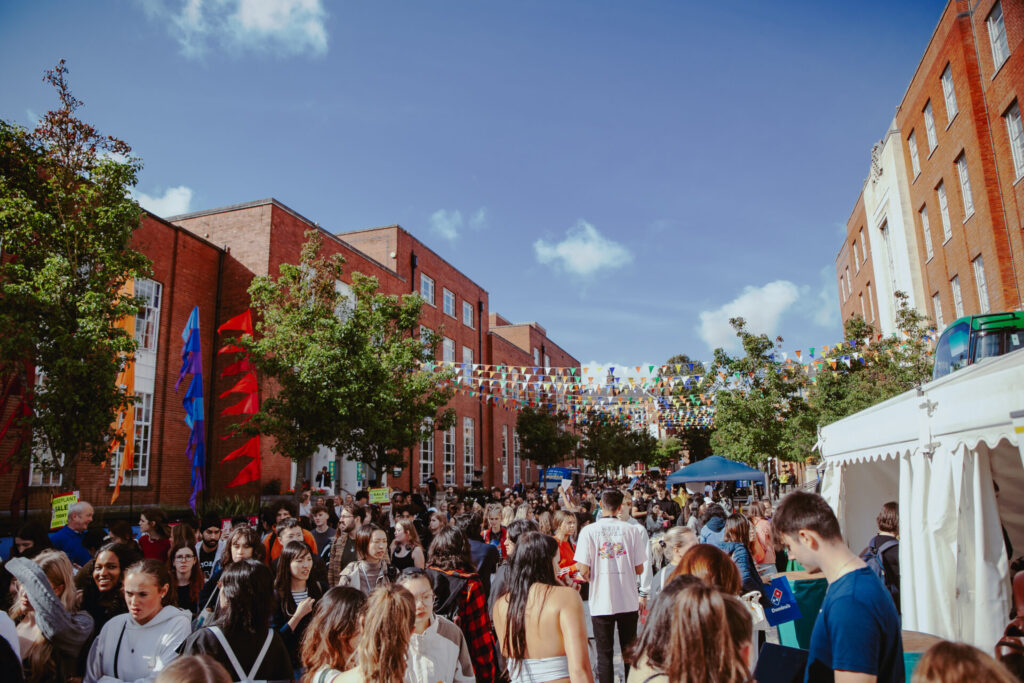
612	548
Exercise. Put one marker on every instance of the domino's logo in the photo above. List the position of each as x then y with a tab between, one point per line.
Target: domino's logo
776	597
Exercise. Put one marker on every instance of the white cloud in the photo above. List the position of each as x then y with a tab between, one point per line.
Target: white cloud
825	308
291	27
176	200
33	118
583	252
447	223
761	307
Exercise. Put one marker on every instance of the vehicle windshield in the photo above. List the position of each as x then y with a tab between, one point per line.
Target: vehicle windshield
993	343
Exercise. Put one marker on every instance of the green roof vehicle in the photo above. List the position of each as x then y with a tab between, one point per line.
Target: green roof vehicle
976	337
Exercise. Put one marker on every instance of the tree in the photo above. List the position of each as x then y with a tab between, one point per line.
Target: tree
543	437
355	375
758	400
609	443
66	223
668	449
695	436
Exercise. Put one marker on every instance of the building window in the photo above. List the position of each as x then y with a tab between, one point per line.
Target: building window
449	456
937	311
856	257
427	289
467	355
143	429
536	356
425	336
929	127
849	287
41	472
1016	132
842	289
958	302
965	185
516	462
448	350
427	451
467	314
346	300
449	302
948	93
915	162
871	303
927	231
997	36
504	455
947	229
863	313
547	361
468	450
982	284
147	320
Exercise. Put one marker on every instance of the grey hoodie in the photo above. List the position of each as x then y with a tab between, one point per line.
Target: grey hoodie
67	632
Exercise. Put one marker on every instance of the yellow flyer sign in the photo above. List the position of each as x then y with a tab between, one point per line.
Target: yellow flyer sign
380	496
60	505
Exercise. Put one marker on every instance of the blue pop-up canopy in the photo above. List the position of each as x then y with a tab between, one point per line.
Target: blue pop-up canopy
716	468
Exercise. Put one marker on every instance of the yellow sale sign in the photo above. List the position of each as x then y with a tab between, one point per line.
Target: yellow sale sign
60	505
380	496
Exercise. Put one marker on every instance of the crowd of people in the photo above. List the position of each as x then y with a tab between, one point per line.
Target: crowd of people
518	586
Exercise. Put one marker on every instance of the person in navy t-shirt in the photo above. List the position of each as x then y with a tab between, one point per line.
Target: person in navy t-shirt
857	635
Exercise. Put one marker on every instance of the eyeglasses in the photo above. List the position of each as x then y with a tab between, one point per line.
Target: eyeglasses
425	599
185	558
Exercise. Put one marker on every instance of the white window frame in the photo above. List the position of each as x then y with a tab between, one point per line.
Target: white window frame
468	450
547	361
842	289
965	185
504	454
981	283
929	127
997	36
424	336
467	314
143	436
346	300
536	356
958	301
856	258
1015	131
467	355
863	313
448	302
871	303
448	350
949	94
42	476
449	456
517	462
937	311
947	227
915	161
147	320
427	452
427	288
927	231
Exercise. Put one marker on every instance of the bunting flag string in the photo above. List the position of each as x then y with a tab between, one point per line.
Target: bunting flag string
249	405
192	363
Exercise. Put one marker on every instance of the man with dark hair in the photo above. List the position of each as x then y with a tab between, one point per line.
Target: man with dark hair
883	551
485	555
362	497
856	635
610	554
343	548
272	543
210	547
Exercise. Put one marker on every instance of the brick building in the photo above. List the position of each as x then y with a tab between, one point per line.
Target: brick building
208	259
962	143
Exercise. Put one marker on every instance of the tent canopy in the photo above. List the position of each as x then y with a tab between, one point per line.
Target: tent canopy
715	468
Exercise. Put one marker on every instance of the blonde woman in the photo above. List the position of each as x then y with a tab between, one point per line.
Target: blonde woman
383	649
51	628
675	543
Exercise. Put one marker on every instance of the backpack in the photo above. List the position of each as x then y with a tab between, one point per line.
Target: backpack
872	556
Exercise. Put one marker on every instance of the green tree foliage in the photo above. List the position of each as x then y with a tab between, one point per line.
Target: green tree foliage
609	443
696	439
543	437
347	373
875	369
759	401
66	224
667	449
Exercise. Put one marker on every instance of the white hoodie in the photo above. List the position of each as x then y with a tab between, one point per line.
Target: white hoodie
439	655
145	649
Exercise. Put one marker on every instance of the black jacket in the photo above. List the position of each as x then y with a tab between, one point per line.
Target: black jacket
276	666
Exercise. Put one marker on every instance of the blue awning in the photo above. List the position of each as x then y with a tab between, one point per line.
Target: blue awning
716	468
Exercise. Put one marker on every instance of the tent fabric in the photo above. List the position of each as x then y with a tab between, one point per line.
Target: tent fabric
715	468
937	450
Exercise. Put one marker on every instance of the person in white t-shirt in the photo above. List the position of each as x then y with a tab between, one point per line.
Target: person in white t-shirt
610	554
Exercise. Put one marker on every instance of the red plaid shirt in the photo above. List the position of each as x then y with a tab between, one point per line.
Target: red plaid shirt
475	623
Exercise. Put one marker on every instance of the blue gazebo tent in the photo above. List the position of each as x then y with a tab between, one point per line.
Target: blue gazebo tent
716	468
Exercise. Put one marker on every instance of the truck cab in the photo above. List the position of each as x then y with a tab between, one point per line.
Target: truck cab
973	338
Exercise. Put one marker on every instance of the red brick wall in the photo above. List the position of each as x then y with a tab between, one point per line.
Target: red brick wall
861	279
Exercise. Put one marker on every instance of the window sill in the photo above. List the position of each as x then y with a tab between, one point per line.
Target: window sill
1000	67
1019	178
946	241
931	152
916	176
969	216
952	119
929	259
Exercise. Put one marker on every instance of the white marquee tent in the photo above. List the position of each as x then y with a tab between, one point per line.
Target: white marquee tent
938	450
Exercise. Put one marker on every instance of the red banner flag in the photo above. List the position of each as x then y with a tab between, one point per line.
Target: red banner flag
230	348
250	472
251	449
237	368
250	405
240	323
246	385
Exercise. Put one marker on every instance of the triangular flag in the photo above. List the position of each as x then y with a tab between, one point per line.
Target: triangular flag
246	385
250	405
250	472
251	449
237	368
240	323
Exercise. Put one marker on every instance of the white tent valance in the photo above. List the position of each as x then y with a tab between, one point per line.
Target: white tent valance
938	450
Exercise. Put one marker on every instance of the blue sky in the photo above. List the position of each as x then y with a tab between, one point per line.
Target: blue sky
628	174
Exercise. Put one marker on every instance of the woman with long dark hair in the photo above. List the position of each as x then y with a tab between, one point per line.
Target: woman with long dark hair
516	529
295	596
243	543
240	636
101	581
736	542
30	540
187	576
647	654
540	623
371	570
155	534
329	646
